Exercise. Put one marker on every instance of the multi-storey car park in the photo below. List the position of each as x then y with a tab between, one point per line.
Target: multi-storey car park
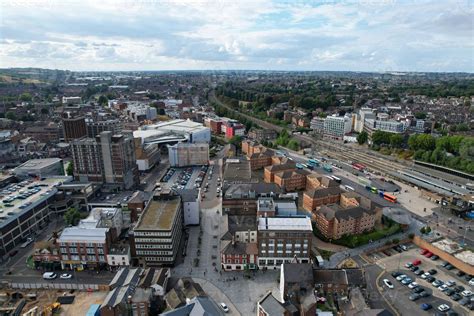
25	210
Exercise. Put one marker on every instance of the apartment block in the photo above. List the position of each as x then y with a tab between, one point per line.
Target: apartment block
241	199
261	134
270	171
74	127
155	239
316	198
315	181
291	180
337	126
281	240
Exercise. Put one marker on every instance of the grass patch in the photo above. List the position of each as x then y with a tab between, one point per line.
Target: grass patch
326	254
30	263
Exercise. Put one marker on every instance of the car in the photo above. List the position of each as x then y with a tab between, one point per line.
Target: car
451	283
449	267
404	248
388	283
424	294
466	293
65	276
424	251
437	283
396	273
414	297
414	268
444	264
49	275
471	282
443	308
430	279
434	257
449	292
432	272
407	281
418	289
456	297
426	306
428	254
13	253
417	262
459	288
412	285
468	277
401	277
419	272
460	273
408	265
443	287
425	275
224	307
464	301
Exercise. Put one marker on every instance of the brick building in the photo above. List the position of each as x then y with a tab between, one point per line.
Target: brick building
291	180
241	199
270	171
316	198
262	134
315	181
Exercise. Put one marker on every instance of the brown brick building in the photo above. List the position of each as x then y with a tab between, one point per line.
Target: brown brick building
241	199
262	134
314	181
316	198
270	171
291	180
261	159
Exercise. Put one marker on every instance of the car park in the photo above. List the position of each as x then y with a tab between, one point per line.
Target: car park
388	283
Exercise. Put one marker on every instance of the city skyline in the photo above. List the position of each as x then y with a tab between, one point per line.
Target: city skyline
372	36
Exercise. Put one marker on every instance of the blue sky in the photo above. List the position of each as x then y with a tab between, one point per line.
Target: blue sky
364	35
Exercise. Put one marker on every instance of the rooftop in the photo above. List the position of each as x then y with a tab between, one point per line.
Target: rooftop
83	234
285	223
38	163
237	171
159	215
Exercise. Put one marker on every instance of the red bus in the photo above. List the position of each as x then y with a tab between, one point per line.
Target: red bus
358	166
390	198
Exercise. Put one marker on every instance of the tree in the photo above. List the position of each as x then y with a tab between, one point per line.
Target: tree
420	115
423	230
396	140
44	111
236	141
26	97
103	100
293	145
11	115
362	137
70	169
72	216
161	112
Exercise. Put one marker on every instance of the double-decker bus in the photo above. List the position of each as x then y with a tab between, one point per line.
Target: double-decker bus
390	198
358	166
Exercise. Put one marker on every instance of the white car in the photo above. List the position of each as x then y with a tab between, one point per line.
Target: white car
65	276
401	277
443	287
443	308
471	282
49	275
466	293
412	285
451	283
388	283
224	307
425	275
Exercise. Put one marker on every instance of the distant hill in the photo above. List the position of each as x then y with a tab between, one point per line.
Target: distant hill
32	75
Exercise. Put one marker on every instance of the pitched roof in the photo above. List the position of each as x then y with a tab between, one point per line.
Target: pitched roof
271	306
323	192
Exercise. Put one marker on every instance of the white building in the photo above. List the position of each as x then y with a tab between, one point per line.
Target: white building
119	255
191	206
40	168
72	100
186	154
364	113
337	126
172	131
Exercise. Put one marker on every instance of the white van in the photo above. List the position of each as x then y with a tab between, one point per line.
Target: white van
49	275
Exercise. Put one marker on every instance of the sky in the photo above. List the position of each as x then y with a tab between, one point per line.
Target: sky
364	35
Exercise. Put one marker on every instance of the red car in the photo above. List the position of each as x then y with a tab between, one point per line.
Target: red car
424	251
428	254
417	262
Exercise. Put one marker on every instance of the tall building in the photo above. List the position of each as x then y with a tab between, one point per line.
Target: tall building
156	237
186	154
74	127
95	127
337	126
107	158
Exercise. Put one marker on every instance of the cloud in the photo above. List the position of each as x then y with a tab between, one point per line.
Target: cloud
365	35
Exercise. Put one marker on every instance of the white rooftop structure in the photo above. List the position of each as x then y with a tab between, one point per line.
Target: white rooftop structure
285	223
83	234
174	130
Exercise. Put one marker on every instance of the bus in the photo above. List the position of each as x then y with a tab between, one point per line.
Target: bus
313	162
358	166
374	190
338	180
390	198
327	167
299	166
349	188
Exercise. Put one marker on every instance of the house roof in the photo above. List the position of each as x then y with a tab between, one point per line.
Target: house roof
271	306
323	192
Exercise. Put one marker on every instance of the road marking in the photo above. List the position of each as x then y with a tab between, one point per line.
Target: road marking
379	288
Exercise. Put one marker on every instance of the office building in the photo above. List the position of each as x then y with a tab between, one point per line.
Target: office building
186	154
337	126
40	168
95	127
156	237
371	125
71	100
281	240
74	127
262	134
173	131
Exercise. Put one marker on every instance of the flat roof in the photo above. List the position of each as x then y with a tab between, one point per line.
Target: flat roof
159	215
79	234
285	223
15	200
38	163
432	184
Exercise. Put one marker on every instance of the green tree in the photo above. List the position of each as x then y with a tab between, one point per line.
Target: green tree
44	111
103	100
423	230
420	115
70	169
293	145
236	141
26	97
362	137
396	140
11	115
426	142
72	216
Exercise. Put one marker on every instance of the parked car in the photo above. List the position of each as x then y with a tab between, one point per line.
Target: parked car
431	279
443	287
418	289
426	306
414	297
404	248
419	272
434	257
49	275
459	288
464	301
407	281
412	285
395	274
424	251
65	276
224	307
437	283
466	293
449	267
388	283
460	273
425	275
424	294
408	265
414	268
449	292
401	277
456	297
451	283
432	272
443	308
416	262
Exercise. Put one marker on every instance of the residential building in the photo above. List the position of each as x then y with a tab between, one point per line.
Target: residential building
270	171
40	168
156	237
364	113
97	126
74	127
238	256
315	181
108	159
45	133
184	290
371	125
315	198
281	240
317	124
335	221
259	160
71	100
291	180
186	154
262	134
